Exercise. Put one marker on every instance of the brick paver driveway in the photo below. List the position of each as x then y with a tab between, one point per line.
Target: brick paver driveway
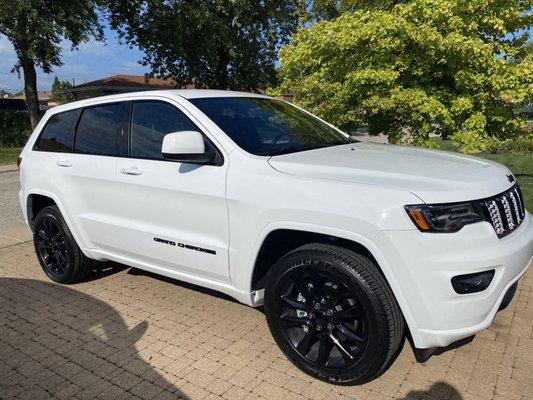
130	334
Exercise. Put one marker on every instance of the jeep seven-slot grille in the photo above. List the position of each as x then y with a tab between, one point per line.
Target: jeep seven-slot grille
505	211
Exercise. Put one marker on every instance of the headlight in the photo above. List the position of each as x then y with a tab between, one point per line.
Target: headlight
443	218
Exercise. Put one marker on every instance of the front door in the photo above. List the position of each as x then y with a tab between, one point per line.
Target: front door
172	215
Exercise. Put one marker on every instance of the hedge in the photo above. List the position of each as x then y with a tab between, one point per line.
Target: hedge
15	128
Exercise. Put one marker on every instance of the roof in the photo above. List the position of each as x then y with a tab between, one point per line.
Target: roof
42	96
126	81
185	93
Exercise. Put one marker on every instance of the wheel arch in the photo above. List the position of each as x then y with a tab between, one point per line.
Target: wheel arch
349	240
37	199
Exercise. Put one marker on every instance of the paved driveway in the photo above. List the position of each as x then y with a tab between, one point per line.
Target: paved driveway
129	334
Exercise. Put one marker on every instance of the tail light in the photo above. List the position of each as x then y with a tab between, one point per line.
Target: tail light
19	161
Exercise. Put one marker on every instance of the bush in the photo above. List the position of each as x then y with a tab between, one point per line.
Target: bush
15	128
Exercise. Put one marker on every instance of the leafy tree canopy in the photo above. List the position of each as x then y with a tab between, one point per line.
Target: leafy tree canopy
209	43
58	91
426	66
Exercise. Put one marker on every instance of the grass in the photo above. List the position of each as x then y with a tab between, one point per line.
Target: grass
521	165
9	155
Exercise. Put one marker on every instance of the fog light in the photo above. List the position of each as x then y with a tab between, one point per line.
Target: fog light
472	283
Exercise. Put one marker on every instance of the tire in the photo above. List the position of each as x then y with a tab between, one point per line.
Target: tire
58	253
333	314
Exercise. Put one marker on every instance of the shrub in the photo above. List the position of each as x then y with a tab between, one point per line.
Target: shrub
15	128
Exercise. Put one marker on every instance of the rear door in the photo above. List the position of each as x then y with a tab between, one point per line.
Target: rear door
88	179
171	214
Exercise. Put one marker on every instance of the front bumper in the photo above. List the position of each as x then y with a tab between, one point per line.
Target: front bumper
424	263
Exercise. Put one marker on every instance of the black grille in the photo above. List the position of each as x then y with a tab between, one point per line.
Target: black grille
505	211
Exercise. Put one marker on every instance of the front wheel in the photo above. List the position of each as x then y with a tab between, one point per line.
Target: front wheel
333	314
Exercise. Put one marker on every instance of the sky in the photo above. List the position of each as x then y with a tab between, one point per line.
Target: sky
93	60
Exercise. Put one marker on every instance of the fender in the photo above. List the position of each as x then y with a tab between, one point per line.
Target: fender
364	241
63	211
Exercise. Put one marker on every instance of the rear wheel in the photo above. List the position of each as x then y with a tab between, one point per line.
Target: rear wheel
58	253
333	314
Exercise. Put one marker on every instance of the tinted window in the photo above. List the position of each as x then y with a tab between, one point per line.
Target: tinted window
100	131
58	134
150	122
268	127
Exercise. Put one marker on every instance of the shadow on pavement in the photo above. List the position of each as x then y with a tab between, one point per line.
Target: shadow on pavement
56	341
439	390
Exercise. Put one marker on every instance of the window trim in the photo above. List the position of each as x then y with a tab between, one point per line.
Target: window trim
123	121
127	112
72	131
219	158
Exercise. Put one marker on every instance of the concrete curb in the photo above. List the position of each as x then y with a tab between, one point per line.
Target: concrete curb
8	168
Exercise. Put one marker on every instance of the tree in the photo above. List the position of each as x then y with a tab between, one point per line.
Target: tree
36	29
427	66
319	10
209	43
58	91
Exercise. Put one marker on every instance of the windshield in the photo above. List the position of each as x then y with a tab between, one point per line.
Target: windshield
268	127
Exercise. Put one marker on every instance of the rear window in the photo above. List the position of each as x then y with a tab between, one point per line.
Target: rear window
58	133
101	131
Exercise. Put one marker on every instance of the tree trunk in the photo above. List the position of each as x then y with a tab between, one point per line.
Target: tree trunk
30	91
222	69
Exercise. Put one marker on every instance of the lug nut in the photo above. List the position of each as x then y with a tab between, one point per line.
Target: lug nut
329	312
317	306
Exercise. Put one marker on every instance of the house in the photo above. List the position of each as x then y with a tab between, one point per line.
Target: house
45	100
119	84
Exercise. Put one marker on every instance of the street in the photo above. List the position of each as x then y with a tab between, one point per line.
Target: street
10	214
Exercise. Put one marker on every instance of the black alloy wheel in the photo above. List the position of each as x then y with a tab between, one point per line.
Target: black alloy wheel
322	319
332	313
51	246
58	253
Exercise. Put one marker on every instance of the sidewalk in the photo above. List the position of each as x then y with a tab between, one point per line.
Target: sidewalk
13	236
8	168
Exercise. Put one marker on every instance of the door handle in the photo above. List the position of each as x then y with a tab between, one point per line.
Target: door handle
64	163
131	171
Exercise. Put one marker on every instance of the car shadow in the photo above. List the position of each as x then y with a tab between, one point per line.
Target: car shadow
439	390
59	342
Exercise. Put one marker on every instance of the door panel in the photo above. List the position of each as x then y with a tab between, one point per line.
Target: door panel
173	215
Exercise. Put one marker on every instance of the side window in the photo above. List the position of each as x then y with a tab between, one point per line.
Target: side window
150	122
58	133
101	131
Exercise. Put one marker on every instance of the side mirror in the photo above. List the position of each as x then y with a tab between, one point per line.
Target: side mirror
186	147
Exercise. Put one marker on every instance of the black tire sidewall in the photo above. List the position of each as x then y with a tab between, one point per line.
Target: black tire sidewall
375	355
73	261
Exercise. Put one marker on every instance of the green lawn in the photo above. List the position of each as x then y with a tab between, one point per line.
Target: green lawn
520	165
9	155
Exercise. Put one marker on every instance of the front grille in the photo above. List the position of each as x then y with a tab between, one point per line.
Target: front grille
505	211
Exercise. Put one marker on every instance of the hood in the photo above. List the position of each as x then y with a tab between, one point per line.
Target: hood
433	176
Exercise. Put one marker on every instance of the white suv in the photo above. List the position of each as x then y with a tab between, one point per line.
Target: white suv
351	246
